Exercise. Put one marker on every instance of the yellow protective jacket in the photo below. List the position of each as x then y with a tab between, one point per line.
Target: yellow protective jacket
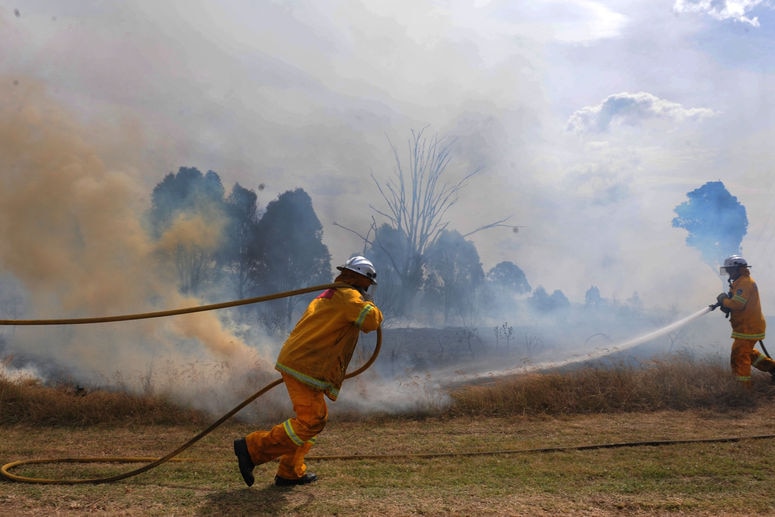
318	350
745	308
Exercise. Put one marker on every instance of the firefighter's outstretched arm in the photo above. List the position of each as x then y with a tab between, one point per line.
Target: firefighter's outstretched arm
720	303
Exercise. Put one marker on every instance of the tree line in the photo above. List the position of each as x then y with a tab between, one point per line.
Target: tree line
226	244
220	243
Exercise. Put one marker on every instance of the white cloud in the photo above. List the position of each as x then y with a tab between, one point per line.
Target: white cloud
565	21
631	109
588	20
737	10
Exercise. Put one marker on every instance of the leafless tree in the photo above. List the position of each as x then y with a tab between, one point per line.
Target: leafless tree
417	201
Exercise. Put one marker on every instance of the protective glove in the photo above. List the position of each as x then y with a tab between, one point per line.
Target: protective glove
720	301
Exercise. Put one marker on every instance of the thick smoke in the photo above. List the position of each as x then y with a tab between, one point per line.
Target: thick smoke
304	98
74	245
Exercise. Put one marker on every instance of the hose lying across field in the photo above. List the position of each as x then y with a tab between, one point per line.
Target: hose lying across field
155	462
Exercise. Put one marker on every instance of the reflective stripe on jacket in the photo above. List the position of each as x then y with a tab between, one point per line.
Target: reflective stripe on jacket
745	308
318	350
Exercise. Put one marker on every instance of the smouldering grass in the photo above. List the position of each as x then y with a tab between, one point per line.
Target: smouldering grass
31	402
506	421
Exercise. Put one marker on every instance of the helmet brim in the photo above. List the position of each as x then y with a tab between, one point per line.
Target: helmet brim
342	268
724	270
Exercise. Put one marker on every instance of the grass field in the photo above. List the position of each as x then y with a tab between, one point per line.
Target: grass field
468	459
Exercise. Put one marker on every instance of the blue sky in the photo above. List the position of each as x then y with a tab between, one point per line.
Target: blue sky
591	120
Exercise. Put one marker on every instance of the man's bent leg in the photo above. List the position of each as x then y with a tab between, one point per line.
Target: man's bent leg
762	362
292	466
311	415
290	440
262	446
265	446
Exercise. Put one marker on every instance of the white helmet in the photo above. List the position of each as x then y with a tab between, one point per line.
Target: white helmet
731	262
362	266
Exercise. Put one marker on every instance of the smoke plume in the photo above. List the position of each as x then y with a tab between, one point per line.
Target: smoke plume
73	240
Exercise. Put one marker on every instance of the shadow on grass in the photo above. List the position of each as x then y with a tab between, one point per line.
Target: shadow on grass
268	500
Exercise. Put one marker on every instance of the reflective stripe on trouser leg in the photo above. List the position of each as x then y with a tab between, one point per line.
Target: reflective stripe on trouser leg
311	411
285	438
762	362
741	357
265	446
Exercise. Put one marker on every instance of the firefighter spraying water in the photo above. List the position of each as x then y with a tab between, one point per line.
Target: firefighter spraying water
645	338
743	308
740	304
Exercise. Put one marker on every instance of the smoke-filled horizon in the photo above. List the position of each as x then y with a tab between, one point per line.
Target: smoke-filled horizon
583	142
590	168
74	246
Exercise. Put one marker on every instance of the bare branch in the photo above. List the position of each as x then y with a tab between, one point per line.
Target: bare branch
417	199
365	238
496	224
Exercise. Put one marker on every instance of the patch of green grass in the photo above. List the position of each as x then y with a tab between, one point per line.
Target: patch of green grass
690	479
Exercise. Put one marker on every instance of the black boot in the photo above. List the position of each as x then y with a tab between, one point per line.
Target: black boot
245	463
308	477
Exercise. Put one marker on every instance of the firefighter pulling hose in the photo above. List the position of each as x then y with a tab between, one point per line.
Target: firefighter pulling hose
313	362
331	313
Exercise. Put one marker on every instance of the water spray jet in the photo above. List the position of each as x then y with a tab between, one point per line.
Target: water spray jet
491	374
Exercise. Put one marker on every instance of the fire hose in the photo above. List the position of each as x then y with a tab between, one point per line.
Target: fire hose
155	462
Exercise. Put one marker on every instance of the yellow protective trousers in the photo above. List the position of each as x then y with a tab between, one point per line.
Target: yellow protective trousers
744	355
291	440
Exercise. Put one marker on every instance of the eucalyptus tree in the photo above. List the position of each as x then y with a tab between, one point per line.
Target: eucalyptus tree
186	218
291	255
453	277
239	255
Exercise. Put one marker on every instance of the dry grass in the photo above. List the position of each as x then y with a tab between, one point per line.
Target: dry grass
32	403
674	382
491	433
